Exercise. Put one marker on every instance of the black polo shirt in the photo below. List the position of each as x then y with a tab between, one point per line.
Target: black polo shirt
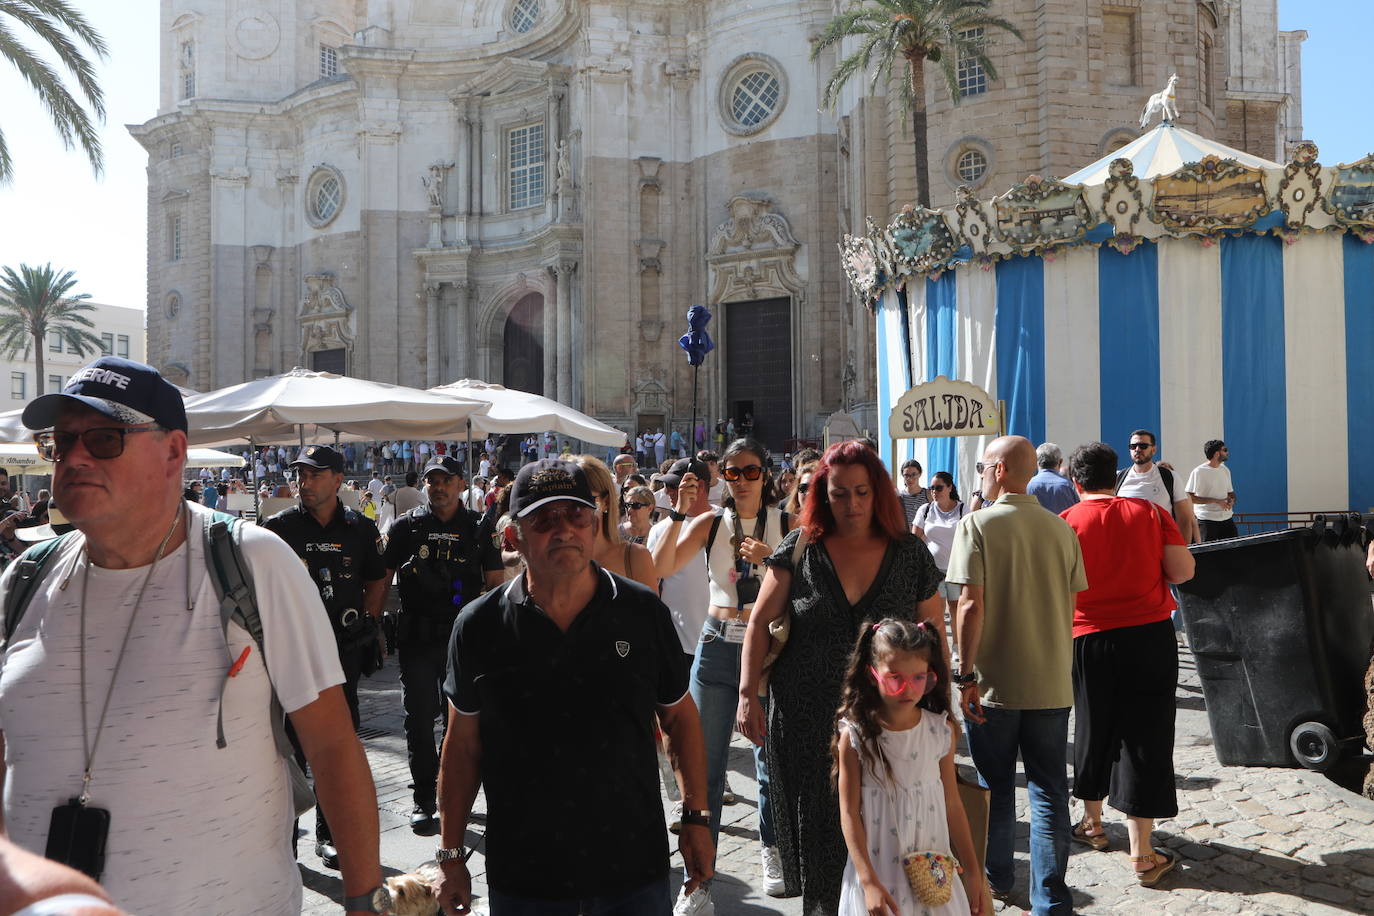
341	556
567	721
457	546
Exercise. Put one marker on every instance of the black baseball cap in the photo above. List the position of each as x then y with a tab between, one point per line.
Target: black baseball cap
685	466
449	465
320	456
549	480
121	389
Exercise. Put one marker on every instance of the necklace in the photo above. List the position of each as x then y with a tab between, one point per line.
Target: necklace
90	746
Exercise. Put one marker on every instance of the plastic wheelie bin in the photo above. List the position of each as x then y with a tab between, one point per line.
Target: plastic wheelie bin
1281	627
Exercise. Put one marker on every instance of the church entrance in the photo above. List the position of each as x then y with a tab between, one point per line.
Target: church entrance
523	350
758	369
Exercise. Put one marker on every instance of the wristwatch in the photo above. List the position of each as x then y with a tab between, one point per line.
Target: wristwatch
698	817
449	855
676	515
965	679
377	900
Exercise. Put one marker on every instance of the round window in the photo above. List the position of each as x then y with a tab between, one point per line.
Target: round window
525	15
324	196
754	97
971	166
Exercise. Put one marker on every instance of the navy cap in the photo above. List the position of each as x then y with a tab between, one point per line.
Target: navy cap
447	464
121	389
685	466
321	457
546	481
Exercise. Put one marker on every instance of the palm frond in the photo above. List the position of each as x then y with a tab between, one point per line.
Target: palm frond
42	25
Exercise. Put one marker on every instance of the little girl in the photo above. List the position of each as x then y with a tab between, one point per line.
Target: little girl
894	763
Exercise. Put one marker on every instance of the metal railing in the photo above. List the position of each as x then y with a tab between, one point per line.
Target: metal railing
1259	522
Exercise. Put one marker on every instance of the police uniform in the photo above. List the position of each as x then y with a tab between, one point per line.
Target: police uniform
442	566
341	557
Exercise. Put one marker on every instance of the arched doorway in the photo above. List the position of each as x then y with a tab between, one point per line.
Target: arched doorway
523	350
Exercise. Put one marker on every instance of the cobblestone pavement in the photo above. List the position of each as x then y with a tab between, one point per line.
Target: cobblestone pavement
1253	840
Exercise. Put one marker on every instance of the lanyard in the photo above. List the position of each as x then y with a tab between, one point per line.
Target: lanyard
760	529
87	745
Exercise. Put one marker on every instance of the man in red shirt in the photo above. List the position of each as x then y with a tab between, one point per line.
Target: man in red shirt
1125	658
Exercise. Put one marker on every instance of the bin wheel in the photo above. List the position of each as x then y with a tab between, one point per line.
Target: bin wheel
1315	747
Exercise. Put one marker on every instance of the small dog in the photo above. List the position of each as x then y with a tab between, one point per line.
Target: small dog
414	894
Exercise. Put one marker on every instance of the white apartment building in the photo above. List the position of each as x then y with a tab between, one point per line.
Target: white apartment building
120	329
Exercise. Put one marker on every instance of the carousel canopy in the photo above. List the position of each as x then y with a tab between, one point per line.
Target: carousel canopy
1163	151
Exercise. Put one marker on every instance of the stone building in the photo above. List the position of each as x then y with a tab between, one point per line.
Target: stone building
533	192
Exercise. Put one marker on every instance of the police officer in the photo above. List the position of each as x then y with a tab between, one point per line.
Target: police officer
445	561
343	552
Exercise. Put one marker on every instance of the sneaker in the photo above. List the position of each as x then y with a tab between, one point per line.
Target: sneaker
773	885
675	822
698	903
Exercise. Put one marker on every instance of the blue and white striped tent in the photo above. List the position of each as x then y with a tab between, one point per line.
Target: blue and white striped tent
1260	333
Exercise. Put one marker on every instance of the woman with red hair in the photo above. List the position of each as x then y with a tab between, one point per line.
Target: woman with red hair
858	565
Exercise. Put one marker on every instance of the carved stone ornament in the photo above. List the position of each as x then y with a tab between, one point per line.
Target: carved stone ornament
1351	198
1301	187
1042	214
325	317
1207	196
921	241
752	255
1122	204
971	222
650	397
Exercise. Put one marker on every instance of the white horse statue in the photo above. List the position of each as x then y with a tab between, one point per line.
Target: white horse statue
1162	102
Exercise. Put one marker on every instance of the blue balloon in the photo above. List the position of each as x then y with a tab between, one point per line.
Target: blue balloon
696	341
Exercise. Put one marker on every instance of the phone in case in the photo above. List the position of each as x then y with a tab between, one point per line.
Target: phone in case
77	836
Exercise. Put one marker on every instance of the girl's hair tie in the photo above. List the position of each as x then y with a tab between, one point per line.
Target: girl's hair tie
875	626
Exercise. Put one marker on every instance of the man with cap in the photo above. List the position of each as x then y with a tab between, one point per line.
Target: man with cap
554	683
189	824
444	562
342	551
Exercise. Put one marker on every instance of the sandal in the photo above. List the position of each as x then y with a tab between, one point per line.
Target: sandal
1097	840
1162	861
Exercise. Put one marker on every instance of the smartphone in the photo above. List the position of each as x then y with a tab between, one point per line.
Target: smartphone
77	835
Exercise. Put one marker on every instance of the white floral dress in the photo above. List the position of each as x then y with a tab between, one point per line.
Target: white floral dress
904	815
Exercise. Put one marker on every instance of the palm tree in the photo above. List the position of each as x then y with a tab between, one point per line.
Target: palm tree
59	25
939	31
34	303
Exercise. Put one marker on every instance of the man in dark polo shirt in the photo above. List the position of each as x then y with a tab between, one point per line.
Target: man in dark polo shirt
342	550
444	563
554	682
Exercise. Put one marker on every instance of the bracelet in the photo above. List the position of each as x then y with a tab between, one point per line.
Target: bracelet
696	820
676	515
965	680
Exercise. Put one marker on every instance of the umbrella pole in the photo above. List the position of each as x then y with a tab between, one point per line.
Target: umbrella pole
692	430
471	465
253	448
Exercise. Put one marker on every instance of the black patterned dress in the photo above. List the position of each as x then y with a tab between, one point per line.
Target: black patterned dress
804	694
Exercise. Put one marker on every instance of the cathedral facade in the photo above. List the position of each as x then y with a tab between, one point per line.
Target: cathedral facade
533	192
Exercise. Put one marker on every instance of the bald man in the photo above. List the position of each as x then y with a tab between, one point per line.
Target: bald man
1019	567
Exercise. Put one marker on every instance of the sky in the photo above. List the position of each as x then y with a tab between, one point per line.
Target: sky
56	210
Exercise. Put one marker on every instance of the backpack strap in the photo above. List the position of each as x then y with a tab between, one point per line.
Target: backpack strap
32	563
1167	476
238	603
1120	479
711	538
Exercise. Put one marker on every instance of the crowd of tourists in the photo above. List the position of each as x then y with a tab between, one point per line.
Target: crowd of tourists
591	636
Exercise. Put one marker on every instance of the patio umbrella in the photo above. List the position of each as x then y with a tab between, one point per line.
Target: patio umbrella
512	411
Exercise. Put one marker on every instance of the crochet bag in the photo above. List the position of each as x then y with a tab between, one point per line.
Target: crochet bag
931	875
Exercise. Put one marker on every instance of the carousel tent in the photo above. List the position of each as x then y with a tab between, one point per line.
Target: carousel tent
1222	298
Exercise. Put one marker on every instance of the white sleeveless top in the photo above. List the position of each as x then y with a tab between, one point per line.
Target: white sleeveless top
720	561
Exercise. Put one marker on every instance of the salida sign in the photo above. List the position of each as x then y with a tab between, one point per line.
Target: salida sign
943	407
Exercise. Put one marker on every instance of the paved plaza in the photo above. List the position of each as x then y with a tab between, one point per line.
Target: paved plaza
1253	840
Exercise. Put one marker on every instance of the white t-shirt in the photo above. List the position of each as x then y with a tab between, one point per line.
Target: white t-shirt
1213	482
716	495
193	828
376	486
686	592
939	529
1151	486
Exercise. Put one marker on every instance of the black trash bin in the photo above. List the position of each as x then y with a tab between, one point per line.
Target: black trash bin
1281	627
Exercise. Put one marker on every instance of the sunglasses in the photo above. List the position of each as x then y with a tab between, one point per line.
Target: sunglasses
803	487
980	467
545	520
937	488
635	505
102	442
894	684
911	474
1139	445
750	472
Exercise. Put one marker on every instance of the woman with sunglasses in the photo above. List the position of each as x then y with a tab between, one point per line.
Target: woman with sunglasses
796	497
858	565
736	540
935	523
639	514
613	552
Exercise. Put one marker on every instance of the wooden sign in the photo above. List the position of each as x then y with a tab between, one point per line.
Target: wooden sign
943	407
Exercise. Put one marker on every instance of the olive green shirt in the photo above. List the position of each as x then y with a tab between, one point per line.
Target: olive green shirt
1029	564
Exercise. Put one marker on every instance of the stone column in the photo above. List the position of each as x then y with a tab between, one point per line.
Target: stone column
462	337
551	345
565	331
432	333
